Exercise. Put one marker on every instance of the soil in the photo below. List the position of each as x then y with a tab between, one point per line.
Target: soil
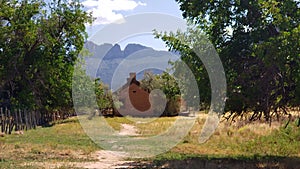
128	130
106	160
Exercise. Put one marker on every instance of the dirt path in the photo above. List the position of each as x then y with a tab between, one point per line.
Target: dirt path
128	130
106	160
112	159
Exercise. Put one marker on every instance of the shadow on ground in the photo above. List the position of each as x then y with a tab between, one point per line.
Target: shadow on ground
222	163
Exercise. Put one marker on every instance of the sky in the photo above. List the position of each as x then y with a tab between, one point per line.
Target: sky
108	11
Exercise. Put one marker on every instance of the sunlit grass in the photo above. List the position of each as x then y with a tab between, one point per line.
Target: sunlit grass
66	141
145	126
249	141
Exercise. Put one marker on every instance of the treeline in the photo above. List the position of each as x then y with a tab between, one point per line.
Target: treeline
259	45
39	46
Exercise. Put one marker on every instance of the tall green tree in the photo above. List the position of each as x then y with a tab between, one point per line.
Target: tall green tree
167	89
258	43
39	45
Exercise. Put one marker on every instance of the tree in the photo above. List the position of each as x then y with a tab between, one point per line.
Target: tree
39	45
105	98
258	43
170	92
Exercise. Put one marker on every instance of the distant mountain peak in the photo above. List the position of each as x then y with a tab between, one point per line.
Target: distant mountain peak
135	45
131	48
106	58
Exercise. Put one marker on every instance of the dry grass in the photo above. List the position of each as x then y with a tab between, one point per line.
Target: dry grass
243	139
230	138
66	143
145	126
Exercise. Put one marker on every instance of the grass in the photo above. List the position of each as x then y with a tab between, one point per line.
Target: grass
66	135
252	146
281	142
253	143
253	140
67	142
146	126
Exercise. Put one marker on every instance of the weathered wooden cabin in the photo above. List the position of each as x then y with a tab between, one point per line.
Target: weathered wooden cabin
135	100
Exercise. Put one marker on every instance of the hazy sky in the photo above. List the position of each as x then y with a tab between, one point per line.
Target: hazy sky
108	11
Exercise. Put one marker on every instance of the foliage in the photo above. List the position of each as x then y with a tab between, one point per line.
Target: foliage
104	96
165	82
39	45
258	43
82	87
192	46
168	85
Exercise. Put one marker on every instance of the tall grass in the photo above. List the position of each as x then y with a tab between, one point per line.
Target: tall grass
67	141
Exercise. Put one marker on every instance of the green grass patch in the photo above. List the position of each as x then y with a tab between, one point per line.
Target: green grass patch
64	135
65	141
281	142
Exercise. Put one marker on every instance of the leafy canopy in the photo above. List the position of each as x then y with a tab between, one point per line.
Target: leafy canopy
258	43
39	45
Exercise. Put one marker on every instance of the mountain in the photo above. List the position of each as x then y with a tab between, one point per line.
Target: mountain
111	52
131	48
109	60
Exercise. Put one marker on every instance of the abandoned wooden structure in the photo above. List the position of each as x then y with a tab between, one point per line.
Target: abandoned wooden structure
136	101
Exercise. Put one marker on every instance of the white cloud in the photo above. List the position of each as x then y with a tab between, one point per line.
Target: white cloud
90	3
106	11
